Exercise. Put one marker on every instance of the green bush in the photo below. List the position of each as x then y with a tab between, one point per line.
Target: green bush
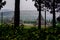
7	32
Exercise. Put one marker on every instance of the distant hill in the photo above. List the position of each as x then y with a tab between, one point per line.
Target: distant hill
25	15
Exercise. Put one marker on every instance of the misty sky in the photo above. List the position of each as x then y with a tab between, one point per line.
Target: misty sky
9	4
27	5
24	5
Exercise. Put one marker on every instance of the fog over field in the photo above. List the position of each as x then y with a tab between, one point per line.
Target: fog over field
26	15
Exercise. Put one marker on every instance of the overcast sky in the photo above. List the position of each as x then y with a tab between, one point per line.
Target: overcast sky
24	5
9	4
27	5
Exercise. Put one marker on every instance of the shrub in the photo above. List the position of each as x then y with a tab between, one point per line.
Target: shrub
7	32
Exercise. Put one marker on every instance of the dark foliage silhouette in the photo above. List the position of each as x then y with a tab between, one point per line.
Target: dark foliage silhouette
2	3
51	4
58	19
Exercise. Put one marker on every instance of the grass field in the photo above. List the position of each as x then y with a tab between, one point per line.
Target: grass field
31	25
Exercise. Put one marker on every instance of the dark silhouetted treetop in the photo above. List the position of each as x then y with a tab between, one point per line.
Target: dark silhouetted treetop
48	3
2	3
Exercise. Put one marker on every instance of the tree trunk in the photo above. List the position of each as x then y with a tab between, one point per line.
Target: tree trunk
39	19
54	22
17	13
45	14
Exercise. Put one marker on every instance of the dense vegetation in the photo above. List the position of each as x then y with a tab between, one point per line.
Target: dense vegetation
7	32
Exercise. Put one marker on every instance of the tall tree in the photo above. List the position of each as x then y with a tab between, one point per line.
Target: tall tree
17	13
38	6
54	21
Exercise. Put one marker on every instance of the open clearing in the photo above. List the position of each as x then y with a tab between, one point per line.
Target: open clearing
31	25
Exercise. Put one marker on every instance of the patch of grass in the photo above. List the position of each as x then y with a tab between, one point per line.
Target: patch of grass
28	27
